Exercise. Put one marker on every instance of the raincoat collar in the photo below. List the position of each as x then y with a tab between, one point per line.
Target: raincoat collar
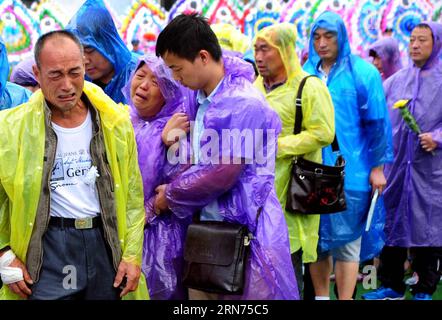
273	86
89	105
109	116
236	71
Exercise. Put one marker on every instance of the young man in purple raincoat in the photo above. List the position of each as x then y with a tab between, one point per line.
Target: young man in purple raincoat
413	197
234	192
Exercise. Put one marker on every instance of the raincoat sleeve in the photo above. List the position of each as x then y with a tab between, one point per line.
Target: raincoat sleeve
5	225
135	218
318	122
150	210
375	120
437	137
199	186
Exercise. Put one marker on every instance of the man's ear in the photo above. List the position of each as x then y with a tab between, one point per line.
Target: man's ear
205	56
36	73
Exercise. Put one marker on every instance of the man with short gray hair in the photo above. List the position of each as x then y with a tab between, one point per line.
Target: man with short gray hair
72	213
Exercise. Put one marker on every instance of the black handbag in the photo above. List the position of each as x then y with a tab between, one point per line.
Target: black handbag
215	256
315	188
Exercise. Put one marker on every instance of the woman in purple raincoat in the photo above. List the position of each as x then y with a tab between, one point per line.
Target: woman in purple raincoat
413	197
154	97
386	56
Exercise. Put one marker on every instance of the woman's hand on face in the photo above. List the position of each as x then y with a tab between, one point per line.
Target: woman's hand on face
177	127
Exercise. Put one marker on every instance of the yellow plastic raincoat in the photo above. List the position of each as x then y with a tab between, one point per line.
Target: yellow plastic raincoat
318	130
22	142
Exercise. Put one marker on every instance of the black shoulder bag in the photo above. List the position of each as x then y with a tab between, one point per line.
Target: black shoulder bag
215	256
315	188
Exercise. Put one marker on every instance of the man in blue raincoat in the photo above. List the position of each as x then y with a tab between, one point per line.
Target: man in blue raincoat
363	132
109	62
11	95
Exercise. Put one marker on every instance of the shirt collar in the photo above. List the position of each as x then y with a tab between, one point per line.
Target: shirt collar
319	67
201	96
273	86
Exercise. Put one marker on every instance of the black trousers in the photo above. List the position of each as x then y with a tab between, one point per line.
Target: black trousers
305	284
297	266
426	263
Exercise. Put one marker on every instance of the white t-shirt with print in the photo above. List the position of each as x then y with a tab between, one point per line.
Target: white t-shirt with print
71	196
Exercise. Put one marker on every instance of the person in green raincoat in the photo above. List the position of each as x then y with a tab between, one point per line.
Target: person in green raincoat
71	195
280	74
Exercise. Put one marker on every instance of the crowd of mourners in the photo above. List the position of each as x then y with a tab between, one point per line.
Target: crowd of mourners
107	156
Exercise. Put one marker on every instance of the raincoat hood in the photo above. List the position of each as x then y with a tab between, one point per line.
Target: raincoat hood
170	89
22	73
148	131
283	37
94	26
388	50
330	21
231	38
237	68
436	30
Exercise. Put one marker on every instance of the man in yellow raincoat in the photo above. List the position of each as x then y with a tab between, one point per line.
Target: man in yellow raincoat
71	198
280	75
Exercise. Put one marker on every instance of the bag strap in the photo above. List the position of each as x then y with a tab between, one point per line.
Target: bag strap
197	217
298	118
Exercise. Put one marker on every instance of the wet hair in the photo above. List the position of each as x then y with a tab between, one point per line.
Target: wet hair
186	35
57	33
373	53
